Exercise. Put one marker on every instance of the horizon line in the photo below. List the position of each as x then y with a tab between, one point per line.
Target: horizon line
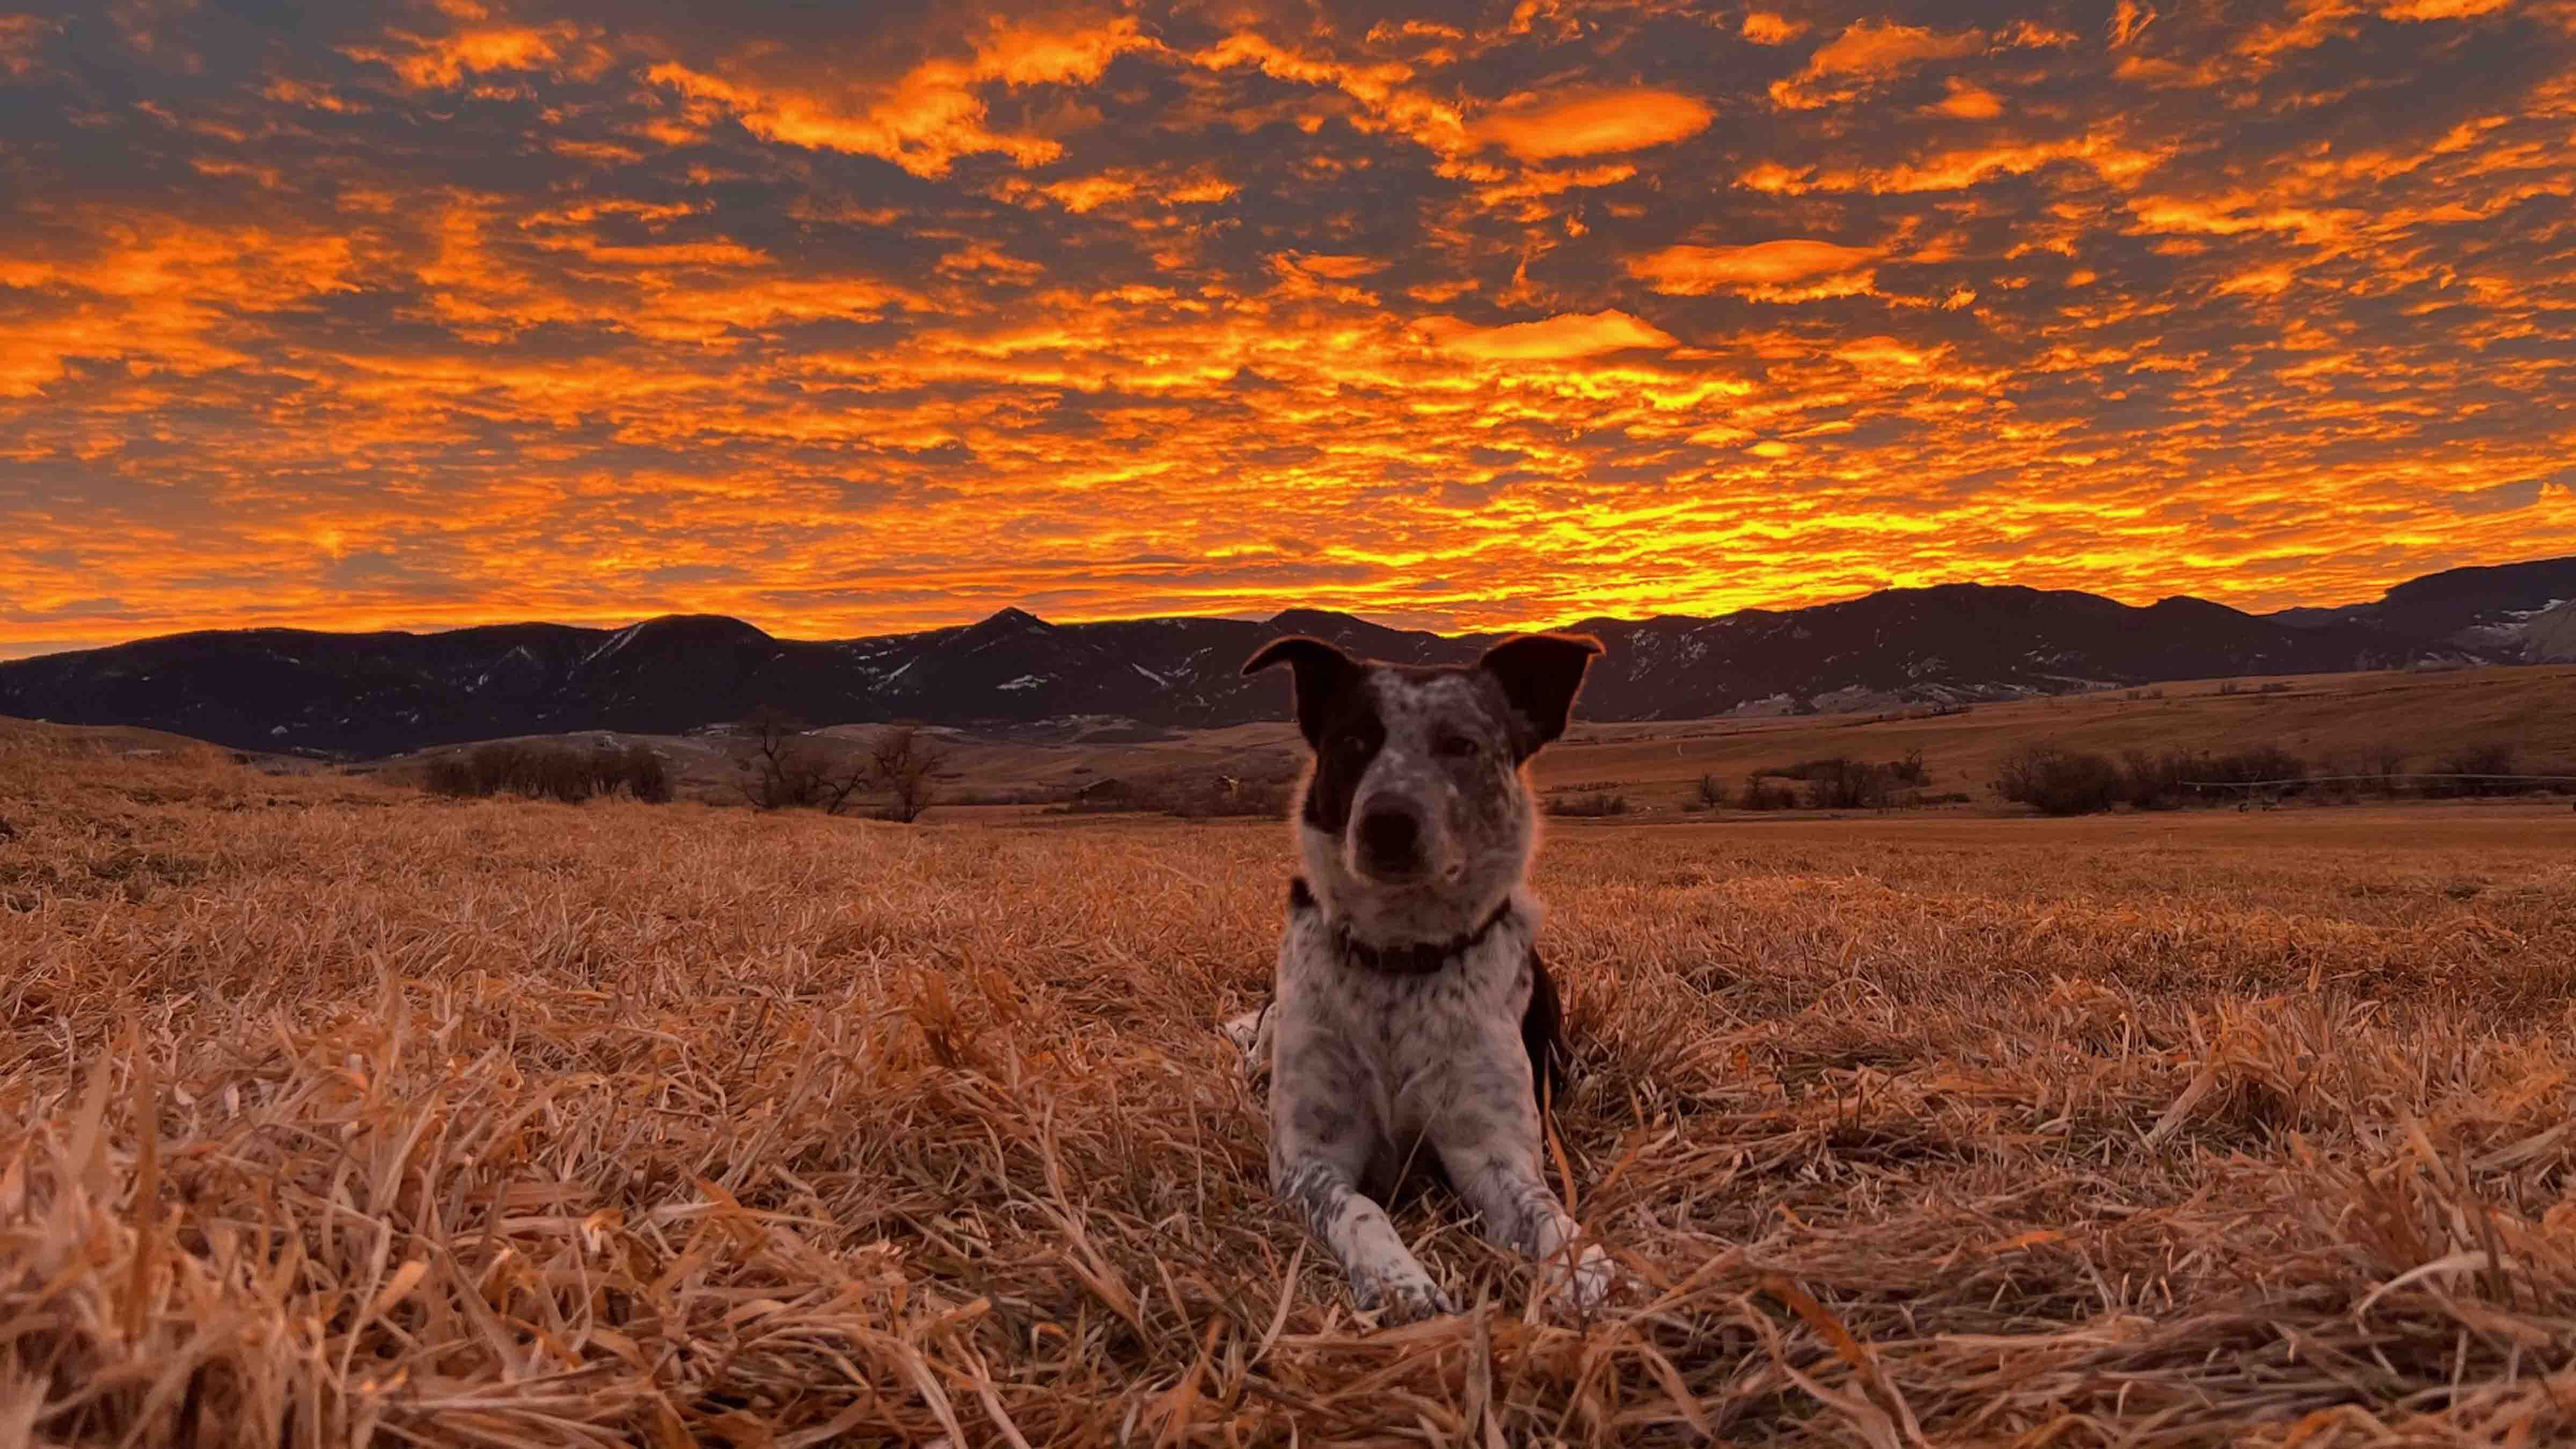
9	652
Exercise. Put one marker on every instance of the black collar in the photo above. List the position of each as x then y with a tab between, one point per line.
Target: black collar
1418	959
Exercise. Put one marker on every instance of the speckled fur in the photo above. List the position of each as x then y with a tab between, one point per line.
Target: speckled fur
1375	1073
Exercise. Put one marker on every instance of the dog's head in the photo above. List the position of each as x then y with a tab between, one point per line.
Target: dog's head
1415	821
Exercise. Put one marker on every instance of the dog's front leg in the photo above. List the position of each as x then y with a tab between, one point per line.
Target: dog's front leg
1490	1153
1385	1276
1321	1138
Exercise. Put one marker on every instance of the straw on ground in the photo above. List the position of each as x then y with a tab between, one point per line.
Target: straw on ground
331	1114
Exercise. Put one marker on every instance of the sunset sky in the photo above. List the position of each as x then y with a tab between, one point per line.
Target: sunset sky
855	318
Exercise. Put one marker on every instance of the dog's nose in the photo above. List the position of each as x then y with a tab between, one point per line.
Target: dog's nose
1390	840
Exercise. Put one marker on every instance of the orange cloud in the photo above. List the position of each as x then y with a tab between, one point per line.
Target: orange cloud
1340	268
1970	101
1387	99
1766	27
2128	20
445	61
2442	9
1867	52
1696	271
1543	128
1565	337
1081	194
20	38
926	118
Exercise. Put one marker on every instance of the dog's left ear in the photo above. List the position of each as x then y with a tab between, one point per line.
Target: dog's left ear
1540	674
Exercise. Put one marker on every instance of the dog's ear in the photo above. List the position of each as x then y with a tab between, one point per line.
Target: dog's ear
1322	671
1540	674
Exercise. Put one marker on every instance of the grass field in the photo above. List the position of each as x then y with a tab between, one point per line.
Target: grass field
333	1114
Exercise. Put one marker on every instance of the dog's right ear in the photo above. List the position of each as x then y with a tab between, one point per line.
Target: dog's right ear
1322	671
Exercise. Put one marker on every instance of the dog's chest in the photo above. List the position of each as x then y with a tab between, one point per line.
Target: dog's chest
1410	1034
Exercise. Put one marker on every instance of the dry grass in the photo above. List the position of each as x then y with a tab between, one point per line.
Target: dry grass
329	1114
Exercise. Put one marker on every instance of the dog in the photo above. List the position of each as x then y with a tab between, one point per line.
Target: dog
1410	1009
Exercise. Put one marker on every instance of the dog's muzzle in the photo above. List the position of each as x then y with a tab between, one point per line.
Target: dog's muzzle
1390	841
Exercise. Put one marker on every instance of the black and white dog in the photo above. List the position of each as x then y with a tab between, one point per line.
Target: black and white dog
1410	1009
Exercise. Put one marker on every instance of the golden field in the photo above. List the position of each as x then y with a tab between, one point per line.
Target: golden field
332	1114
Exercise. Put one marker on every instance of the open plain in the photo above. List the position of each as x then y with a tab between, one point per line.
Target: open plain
332	1113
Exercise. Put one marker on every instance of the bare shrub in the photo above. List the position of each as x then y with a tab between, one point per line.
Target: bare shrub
643	773
1711	793
905	762
449	775
534	769
1840	782
1848	784
2055	780
1587	805
2494	757
564	774
2157	781
1760	795
2387	764
1217	797
2256	765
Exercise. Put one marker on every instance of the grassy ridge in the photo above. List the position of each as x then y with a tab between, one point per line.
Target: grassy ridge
330	1112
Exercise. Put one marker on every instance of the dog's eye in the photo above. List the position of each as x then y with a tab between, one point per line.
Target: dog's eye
1457	747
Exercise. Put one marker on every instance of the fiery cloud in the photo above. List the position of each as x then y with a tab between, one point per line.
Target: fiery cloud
1869	52
1548	127
1759	269
849	319
1556	339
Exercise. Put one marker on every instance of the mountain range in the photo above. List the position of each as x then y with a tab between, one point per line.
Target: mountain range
382	693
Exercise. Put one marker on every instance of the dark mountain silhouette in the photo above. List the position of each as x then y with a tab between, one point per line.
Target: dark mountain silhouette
2488	609
386	692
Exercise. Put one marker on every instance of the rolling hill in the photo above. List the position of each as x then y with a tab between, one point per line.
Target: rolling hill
380	693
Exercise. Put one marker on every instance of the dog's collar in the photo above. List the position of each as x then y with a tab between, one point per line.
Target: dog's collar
1420	958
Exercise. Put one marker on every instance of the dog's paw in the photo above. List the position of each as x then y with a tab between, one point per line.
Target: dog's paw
1401	1297
1594	1277
1249	1034
1243	1029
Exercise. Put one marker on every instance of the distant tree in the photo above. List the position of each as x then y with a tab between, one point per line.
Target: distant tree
787	766
1712	791
905	762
